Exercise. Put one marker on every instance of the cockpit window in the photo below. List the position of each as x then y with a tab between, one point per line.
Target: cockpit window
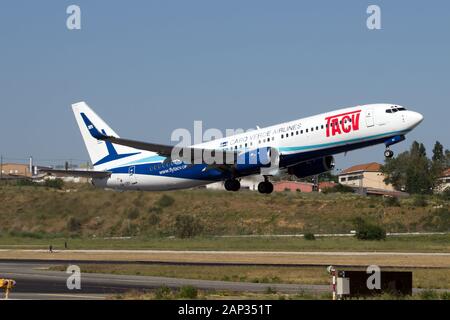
395	109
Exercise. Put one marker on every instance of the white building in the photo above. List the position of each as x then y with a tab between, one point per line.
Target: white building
366	175
444	181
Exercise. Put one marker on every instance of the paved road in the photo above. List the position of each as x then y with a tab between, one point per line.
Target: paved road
35	282
225	252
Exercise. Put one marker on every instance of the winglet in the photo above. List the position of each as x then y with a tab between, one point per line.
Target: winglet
92	129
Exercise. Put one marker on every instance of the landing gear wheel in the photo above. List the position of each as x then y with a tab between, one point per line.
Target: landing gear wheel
232	185
265	187
388	153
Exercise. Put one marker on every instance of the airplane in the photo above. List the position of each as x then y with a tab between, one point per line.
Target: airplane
302	148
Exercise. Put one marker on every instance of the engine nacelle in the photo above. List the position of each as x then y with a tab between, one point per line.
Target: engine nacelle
312	167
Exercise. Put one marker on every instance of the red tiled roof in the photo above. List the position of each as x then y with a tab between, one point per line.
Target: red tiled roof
446	173
373	166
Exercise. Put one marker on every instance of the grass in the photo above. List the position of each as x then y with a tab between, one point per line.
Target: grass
425	278
429	243
82	211
227	295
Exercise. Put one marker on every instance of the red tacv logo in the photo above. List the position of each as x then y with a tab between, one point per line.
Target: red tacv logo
343	123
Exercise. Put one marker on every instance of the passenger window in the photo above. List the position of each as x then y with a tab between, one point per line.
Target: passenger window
296	133
301	131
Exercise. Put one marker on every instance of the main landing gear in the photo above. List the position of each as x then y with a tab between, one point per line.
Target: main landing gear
232	185
388	153
266	186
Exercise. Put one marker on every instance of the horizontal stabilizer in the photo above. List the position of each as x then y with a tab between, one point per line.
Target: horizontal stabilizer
76	173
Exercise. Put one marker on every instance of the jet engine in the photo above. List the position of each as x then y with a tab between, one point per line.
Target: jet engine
312	167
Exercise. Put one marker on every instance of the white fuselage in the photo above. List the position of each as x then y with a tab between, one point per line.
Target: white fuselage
327	133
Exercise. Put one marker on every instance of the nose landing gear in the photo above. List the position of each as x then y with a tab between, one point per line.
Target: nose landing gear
388	153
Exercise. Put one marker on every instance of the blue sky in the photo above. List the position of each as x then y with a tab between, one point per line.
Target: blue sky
149	67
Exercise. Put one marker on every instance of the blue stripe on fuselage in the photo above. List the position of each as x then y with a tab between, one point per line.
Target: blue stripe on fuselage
197	172
184	171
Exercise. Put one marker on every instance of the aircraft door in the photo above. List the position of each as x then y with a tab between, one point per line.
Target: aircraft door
132	175
369	118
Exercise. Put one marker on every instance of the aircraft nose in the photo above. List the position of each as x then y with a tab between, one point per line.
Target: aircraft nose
415	118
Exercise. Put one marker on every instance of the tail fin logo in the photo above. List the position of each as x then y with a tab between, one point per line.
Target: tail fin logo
112	152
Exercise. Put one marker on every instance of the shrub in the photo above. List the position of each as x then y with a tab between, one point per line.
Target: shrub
309	236
153	219
165	201
420	201
338	188
445	295
163	293
54	183
445	195
391	202
429	295
369	231
73	224
154	209
133	214
187	226
188	292
25	182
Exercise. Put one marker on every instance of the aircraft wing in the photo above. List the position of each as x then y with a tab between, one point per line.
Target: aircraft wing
76	173
167	150
163	150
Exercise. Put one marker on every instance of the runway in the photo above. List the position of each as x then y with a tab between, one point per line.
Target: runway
35	282
295	258
29	268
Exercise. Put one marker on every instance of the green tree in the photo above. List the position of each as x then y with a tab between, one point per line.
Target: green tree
438	153
328	176
447	158
438	163
394	170
410	170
